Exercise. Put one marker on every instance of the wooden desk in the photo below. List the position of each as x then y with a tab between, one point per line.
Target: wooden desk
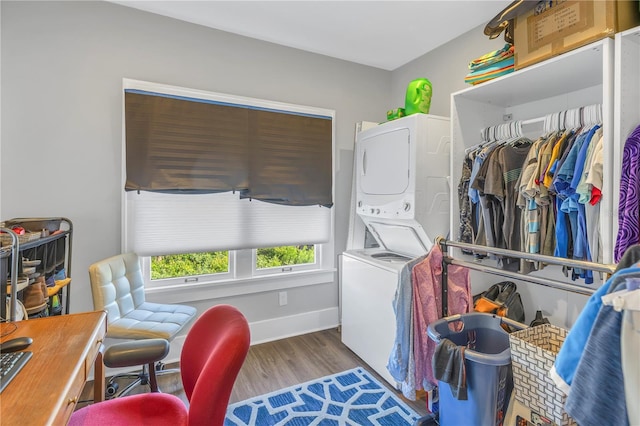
65	348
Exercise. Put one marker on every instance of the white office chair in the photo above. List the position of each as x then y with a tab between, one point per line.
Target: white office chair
117	286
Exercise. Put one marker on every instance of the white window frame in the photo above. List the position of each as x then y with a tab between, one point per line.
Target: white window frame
317	250
243	277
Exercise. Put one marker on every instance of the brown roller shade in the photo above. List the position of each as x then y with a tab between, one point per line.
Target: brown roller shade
176	144
290	158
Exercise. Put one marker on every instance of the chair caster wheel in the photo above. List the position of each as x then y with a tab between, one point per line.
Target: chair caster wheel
111	390
160	366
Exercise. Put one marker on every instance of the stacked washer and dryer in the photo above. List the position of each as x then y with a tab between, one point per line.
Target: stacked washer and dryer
402	195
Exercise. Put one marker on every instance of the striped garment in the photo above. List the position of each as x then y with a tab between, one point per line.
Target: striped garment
491	58
498	69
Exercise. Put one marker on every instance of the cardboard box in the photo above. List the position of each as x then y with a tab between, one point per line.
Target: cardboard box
548	31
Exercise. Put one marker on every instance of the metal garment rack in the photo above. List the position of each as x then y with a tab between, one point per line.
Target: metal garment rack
551	260
17	248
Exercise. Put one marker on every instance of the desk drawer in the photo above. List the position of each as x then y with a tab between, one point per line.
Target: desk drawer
68	404
91	356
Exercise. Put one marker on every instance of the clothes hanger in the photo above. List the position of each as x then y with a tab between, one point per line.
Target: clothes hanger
628	299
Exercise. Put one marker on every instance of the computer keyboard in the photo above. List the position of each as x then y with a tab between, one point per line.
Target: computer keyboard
10	365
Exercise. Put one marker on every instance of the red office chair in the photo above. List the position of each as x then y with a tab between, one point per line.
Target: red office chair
213	352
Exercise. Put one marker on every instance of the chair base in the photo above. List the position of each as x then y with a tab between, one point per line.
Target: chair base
142	378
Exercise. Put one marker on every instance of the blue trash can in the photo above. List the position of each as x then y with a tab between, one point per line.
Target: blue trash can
489	378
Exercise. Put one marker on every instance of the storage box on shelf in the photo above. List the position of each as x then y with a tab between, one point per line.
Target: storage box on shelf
543	34
45	252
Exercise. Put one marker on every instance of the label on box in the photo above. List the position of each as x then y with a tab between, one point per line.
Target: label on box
560	20
534	420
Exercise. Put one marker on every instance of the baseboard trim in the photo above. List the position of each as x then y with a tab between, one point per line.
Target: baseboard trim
293	325
263	332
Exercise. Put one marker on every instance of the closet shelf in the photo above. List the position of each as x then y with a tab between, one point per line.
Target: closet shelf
569	72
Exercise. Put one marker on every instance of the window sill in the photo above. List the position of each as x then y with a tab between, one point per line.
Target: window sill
192	292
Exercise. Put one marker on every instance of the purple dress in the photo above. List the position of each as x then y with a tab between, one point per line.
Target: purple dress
629	205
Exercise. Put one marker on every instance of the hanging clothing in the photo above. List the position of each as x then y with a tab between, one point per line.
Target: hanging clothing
595	177
501	182
629	204
530	242
427	308
567	204
597	393
486	233
630	338
584	188
401	364
558	149
581	249
448	366
466	232
585	191
563	370
567	359
602	370
543	199
628	303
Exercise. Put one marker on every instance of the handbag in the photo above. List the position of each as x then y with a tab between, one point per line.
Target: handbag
21	311
501	299
539	320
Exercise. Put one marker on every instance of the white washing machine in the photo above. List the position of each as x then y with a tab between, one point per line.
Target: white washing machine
369	281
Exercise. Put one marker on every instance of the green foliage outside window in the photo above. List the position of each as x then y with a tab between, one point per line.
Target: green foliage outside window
185	265
284	256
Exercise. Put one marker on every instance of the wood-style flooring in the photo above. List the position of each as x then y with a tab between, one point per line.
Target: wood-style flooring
283	363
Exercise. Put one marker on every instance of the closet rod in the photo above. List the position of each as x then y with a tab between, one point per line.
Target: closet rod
552	260
448	260
515	275
533	121
536	120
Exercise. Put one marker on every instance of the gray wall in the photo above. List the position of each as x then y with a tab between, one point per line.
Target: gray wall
445	67
62	70
61	80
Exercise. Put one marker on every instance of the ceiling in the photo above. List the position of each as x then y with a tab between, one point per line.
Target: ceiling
381	34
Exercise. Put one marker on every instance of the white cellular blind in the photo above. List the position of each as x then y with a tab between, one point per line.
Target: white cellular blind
158	223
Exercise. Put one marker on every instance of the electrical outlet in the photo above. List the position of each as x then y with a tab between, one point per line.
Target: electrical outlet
282	298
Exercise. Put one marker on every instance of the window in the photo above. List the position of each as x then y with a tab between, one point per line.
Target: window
284	256
189	265
230	225
194	266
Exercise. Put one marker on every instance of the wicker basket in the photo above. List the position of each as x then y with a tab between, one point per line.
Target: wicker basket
533	353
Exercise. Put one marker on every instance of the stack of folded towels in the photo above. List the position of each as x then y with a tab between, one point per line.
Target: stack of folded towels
491	65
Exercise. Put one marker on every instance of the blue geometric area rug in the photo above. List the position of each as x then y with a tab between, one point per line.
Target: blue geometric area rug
351	398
